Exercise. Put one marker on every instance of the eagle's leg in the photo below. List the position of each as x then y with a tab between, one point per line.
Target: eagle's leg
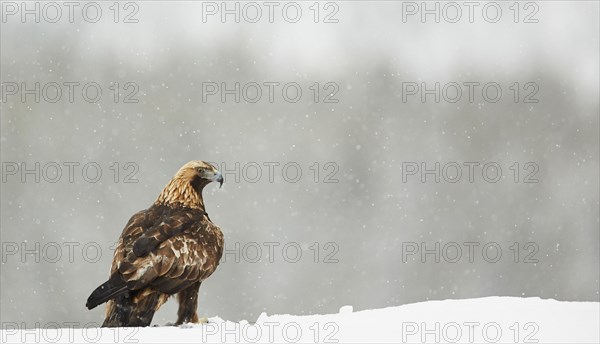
145	303
188	304
117	311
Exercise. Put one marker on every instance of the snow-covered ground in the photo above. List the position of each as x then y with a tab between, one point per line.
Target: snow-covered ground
483	320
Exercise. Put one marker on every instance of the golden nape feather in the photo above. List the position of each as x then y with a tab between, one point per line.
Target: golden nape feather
167	249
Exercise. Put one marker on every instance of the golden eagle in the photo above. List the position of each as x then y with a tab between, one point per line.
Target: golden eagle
167	249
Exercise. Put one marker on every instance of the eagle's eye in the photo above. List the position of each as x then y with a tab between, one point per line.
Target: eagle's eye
205	173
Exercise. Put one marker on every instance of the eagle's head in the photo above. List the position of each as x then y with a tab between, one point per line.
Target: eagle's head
186	186
199	174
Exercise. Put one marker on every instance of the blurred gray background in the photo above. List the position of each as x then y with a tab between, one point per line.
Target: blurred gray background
369	215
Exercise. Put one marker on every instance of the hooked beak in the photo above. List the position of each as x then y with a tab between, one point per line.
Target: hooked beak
218	178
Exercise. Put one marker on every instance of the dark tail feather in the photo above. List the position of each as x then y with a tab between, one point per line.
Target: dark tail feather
109	289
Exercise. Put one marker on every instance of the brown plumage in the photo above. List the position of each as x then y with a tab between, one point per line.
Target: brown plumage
167	249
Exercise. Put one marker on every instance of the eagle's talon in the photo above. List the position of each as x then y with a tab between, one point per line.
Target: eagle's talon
200	321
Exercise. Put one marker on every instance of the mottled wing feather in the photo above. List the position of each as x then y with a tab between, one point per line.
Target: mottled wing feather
192	254
173	225
135	227
178	247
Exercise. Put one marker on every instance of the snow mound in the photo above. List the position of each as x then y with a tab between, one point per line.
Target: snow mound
483	320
